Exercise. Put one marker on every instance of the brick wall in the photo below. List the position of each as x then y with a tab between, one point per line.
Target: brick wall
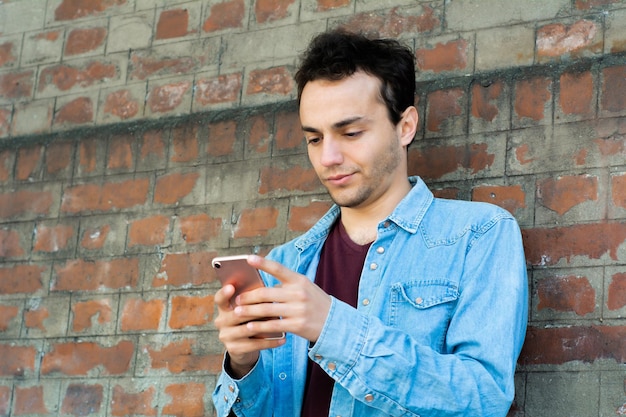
138	139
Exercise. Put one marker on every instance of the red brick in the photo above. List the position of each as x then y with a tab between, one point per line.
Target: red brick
302	218
126	403
52	239
183	269
144	67
297	178
435	162
81	275
91	311
557	39
5	400
531	98
589	4
484	100
24	201
200	228
442	105
110	196
271	10
171	188
187	400
6	54
74	9
80	40
564	193
185	143
15	360
141	315
18	279
16	85
28	162
95	238
5	125
324	5
619	190
222	138
76	112
152	145
122	104
7	315
65	77
221	89
613	89
256	222
277	80
88	155
74	358
559	345
511	198
191	311
394	22
451	193
617	292
35	318
10	245
259	137
179	357
82	400
569	293
165	98
288	131
120	153
546	246
29	400
172	24
149	231
7	159
225	15
58	157
576	93
449	56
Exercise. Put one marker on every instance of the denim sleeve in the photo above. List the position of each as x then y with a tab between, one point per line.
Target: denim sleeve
250	396
388	369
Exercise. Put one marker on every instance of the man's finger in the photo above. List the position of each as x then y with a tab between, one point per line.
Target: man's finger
278	271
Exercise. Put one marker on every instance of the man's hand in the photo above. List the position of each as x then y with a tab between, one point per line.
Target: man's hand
238	339
302	305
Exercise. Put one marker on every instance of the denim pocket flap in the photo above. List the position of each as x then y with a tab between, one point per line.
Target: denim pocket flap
425	294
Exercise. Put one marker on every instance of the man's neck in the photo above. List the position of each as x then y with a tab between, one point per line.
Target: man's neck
361	224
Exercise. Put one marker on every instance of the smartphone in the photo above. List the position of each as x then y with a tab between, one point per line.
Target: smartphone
236	271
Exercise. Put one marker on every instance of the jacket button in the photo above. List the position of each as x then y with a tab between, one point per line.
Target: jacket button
231	388
380	249
318	357
369	398
366	302
332	366
419	300
373	266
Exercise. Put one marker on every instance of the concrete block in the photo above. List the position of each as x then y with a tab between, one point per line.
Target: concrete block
130	32
43	47
464	15
562	394
22	16
504	47
615	36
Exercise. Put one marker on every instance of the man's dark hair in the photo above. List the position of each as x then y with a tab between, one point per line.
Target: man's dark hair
338	54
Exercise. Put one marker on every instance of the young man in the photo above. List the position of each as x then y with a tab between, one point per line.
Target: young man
395	303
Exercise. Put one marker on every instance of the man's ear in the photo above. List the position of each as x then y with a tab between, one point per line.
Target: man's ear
407	127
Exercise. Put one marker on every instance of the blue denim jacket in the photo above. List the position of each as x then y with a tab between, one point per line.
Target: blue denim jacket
440	321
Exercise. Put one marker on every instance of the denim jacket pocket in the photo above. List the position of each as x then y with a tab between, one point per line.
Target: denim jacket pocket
423	309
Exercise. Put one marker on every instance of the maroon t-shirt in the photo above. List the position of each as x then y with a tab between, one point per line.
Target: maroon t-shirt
338	273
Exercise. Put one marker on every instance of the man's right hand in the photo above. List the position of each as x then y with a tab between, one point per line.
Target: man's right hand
239	341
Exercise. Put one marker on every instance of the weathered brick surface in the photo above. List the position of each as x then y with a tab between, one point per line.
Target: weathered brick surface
140	139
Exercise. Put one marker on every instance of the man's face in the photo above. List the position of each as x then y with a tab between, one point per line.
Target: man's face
357	153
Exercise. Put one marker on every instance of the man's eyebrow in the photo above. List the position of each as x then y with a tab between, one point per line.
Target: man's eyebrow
337	125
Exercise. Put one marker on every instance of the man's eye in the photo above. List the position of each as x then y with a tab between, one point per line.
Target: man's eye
312	141
353	134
